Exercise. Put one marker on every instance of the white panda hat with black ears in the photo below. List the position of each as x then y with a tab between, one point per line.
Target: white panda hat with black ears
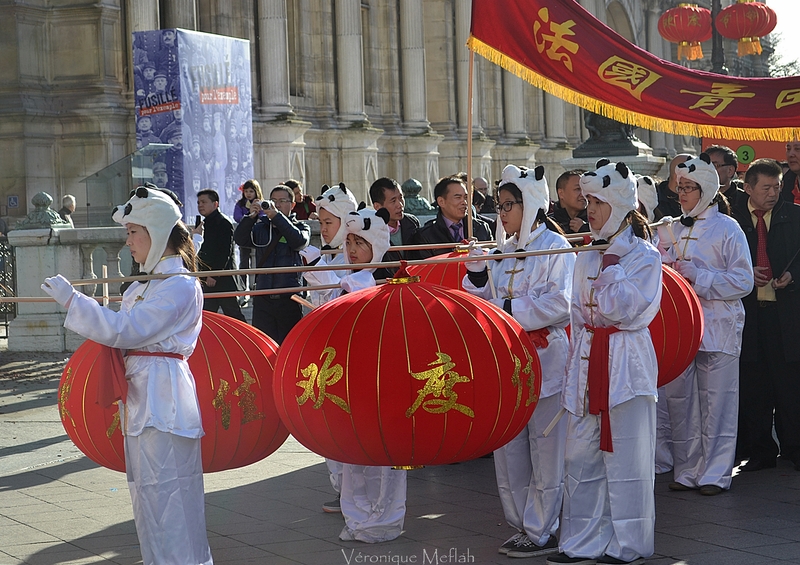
157	212
614	184
646	189
339	201
701	171
372	225
535	195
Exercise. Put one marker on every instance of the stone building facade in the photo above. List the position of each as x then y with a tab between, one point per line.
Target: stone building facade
344	90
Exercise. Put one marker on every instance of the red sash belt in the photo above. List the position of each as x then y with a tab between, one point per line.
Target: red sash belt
598	382
154	354
539	337
110	365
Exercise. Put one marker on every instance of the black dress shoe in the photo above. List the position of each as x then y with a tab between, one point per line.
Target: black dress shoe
758	464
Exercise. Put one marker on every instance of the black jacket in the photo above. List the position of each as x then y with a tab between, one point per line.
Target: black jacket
409	225
668	203
783	241
734	194
289	236
216	253
560	216
788	186
436	231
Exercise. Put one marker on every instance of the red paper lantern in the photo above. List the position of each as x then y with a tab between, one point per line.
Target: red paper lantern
406	374
449	275
677	329
746	21
687	25
232	367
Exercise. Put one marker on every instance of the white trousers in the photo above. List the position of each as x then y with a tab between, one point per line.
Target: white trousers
373	501
530	473
663	435
609	505
703	406
335	471
165	479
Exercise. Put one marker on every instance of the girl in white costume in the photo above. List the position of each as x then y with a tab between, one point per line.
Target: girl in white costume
332	206
535	291
710	250
610	387
158	325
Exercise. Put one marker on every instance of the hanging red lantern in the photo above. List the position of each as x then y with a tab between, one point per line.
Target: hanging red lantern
746	21
232	366
687	25
677	329
448	275
406	374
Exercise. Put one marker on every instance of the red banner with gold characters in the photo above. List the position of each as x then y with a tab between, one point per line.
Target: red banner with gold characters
561	48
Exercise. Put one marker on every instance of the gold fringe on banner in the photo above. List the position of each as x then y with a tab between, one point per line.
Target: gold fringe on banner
627	116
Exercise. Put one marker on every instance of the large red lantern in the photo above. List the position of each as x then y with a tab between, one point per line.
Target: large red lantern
232	366
677	329
406	374
746	21
687	25
449	275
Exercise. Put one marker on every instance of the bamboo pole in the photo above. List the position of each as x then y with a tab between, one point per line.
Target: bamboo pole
469	144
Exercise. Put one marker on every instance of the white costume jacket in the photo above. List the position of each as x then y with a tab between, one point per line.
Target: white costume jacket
717	246
159	315
319	278
629	296
539	291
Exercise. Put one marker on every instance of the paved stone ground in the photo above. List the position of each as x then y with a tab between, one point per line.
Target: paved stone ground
57	507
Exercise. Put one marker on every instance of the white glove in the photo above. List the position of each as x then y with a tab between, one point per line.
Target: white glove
60	289
687	269
310	254
357	281
476	266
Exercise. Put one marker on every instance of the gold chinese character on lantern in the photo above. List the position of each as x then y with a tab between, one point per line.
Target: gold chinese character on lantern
247	398
63	396
517	381
439	383
219	403
627	75
555	43
318	380
787	98
721	95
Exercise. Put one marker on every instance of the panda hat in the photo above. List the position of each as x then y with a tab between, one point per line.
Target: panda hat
535	196
646	189
372	225
701	171
339	201
614	184
157	212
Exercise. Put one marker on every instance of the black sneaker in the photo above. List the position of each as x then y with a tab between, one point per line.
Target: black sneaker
511	543
333	507
607	559
526	548
563	558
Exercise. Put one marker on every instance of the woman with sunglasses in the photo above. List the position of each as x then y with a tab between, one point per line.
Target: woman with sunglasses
710	250
535	291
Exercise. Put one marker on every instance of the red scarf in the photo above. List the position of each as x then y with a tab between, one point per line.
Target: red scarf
598	381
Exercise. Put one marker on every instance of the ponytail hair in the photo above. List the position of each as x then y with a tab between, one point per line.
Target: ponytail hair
546	220
640	225
722	204
180	239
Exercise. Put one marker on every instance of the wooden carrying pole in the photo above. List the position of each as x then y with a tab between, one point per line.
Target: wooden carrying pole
469	144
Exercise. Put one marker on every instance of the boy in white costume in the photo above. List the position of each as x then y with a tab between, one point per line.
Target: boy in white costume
610	387
157	326
710	250
535	291
333	205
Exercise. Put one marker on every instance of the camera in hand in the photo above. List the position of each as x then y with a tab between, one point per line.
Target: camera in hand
267	204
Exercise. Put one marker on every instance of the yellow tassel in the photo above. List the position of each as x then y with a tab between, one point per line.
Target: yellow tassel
689	51
749	46
637	119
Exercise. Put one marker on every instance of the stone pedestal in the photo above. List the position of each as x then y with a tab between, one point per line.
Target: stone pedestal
281	152
639	164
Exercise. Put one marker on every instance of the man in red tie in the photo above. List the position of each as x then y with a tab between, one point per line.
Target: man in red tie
791	181
769	366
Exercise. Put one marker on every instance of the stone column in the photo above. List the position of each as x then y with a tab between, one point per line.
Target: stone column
112	263
273	50
350	60
554	122
180	13
412	58
142	16
88	268
463	18
513	106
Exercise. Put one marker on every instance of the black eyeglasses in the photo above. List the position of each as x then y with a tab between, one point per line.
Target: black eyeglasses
506	206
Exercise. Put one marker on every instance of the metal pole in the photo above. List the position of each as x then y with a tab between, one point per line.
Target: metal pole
717	49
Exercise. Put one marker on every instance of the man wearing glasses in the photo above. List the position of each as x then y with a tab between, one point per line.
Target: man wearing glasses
725	161
278	237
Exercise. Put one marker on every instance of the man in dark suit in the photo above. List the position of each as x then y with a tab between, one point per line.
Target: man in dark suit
570	211
386	193
770	359
791	185
725	161
216	254
450	224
